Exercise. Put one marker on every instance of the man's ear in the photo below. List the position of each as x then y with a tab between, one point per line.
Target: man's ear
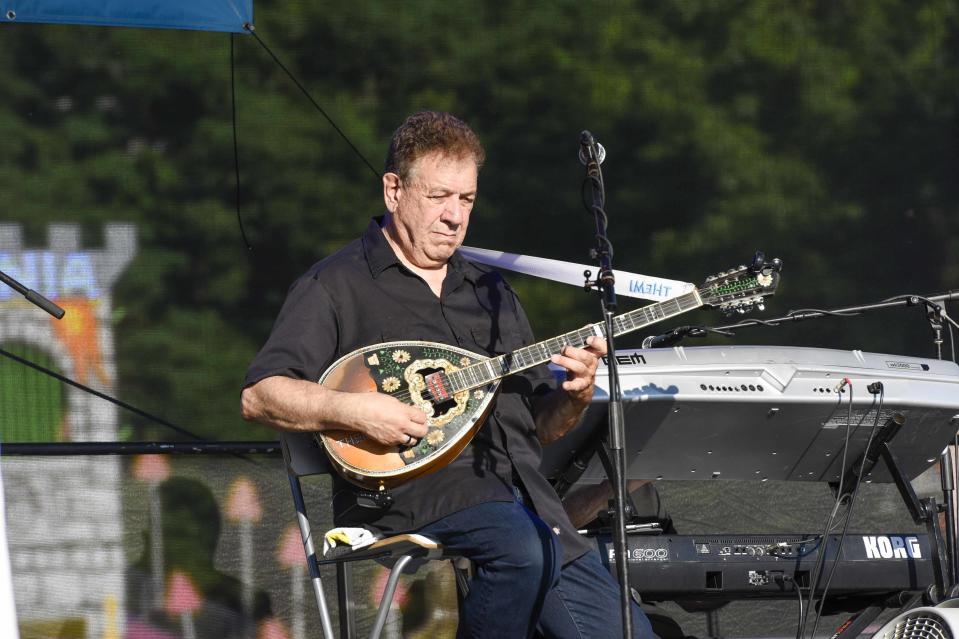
391	190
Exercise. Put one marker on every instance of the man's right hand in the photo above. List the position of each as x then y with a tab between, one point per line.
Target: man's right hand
383	418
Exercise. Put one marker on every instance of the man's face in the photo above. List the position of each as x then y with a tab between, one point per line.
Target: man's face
431	210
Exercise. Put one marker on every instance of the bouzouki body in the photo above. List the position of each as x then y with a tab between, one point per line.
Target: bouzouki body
410	372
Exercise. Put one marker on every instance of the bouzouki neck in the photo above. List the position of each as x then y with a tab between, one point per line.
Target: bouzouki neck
494	368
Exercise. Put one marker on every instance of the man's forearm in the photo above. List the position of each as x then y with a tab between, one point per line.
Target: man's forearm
585	502
290	404
297	405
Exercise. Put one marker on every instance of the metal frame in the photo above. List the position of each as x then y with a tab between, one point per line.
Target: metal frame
303	457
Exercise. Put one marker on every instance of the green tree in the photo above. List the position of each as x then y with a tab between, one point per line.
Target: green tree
821	132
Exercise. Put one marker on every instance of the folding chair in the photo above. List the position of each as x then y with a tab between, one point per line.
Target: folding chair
303	457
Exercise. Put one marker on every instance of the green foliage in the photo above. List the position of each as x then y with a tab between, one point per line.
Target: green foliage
32	402
821	132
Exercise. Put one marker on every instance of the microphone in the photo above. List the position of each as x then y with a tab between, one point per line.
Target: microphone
586	145
668	338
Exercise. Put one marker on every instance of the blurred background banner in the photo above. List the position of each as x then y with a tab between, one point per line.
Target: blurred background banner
823	133
8	615
205	15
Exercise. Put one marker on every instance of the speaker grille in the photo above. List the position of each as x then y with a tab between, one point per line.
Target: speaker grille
922	625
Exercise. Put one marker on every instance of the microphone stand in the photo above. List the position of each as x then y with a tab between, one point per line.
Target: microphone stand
592	154
935	313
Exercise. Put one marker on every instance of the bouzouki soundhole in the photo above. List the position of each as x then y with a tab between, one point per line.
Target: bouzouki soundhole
429	389
440	405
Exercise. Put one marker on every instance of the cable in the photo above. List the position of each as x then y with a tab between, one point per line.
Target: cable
113	400
309	97
87	389
842	521
750	322
840	498
702	331
828	524
799	601
236	152
801	311
952	343
852	504
590	207
845	446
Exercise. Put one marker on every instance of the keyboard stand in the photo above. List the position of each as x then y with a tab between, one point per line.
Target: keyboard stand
923	511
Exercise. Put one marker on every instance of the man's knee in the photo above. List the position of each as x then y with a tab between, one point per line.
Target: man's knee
531	549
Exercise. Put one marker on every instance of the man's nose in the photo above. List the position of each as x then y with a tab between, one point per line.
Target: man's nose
454	211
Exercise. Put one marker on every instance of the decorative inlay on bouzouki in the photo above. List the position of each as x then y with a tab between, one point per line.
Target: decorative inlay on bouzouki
455	387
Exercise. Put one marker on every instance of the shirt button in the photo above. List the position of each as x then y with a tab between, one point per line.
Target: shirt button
556	530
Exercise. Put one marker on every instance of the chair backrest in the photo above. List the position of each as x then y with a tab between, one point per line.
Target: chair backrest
304	455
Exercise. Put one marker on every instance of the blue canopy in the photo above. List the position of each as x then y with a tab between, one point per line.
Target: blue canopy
206	15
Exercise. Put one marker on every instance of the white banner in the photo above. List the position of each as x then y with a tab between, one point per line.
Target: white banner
627	284
8	614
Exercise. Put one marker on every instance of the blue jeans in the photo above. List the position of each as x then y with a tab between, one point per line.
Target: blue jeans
519	584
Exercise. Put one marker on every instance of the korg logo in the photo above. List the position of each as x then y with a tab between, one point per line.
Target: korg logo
891	547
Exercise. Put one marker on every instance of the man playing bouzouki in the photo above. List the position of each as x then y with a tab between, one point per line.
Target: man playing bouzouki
404	280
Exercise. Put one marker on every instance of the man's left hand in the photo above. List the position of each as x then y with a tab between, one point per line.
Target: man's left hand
580	365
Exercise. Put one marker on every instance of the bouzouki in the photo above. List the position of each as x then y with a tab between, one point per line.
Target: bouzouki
456	388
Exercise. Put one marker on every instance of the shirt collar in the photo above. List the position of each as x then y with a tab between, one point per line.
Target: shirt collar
460	264
380	255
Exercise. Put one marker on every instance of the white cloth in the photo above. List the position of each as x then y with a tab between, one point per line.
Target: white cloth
628	284
355	538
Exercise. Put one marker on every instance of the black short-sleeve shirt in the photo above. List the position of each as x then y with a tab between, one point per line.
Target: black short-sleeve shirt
363	295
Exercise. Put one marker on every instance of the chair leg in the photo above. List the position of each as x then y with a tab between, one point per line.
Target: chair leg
321	604
462	581
388	592
344	600
315	578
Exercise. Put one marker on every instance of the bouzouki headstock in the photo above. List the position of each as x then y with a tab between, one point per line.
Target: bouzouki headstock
743	288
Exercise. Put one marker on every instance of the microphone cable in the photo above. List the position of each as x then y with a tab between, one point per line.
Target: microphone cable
236	152
309	97
840	499
852	504
799	601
